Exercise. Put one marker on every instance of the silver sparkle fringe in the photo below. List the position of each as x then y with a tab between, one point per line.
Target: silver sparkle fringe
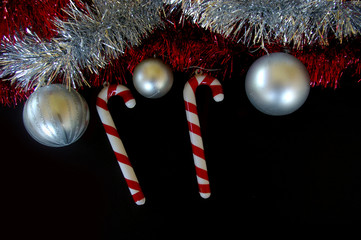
288	22
87	41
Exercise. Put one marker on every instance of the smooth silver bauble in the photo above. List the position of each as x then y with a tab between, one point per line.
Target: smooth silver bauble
277	84
152	78
56	116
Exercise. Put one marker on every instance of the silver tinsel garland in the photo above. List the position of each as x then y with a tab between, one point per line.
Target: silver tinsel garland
90	38
256	22
87	41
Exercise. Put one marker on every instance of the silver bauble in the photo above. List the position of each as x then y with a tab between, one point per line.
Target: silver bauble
56	116
277	84
152	78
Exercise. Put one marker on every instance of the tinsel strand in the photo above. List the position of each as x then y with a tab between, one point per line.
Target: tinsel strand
286	22
87	40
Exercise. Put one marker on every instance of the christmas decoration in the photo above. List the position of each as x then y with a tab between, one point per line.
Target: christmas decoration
194	126
99	41
86	41
91	42
257	22
152	78
114	139
55	116
277	84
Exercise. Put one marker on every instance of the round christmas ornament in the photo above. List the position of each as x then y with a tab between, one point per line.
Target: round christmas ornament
56	116
152	78
277	84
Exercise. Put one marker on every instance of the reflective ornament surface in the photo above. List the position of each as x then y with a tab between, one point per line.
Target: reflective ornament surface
152	78
56	116
277	84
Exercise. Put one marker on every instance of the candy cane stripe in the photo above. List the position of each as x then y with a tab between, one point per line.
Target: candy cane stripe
114	139
122	159
204	188
133	184
193	82
193	118
197	140
111	130
207	80
191	107
194	126
202	173
199	152
101	103
138	197
214	84
127	96
112	91
217	90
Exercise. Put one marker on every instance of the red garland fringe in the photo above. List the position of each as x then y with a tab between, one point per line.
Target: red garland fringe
10	96
17	15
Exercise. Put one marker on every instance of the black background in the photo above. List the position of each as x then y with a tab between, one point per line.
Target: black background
301	168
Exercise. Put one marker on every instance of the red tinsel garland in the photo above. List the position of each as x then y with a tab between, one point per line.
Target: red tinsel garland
184	46
17	15
9	95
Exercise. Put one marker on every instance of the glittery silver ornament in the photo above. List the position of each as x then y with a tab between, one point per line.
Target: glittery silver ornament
56	116
277	84
152	78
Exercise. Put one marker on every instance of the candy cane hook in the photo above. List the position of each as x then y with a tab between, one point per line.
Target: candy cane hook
194	126
114	139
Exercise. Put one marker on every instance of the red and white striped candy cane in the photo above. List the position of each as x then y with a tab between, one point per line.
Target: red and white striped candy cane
114	139
194	126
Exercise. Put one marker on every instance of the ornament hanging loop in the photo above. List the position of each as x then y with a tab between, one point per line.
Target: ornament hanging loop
106	84
198	71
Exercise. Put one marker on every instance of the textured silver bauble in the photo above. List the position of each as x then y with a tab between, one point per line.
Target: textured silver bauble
277	84
56	116
152	78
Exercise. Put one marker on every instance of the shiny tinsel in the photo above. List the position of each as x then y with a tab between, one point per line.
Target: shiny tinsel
256	22
87	41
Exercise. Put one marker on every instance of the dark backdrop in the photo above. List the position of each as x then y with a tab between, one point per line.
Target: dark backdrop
300	168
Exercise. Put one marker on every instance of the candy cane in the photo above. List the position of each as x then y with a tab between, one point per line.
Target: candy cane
194	126
114	139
